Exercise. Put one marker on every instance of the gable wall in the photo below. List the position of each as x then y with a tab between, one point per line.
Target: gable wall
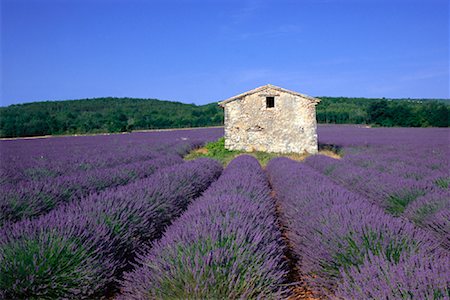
288	127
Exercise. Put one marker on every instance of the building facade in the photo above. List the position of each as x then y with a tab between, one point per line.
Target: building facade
271	119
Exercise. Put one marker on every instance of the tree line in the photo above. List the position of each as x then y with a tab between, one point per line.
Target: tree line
384	112
101	115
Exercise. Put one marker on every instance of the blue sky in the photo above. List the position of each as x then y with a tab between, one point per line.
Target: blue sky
205	51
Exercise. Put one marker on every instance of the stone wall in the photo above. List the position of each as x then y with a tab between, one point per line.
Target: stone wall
289	127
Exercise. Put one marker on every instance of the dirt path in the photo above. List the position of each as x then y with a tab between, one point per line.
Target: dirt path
298	286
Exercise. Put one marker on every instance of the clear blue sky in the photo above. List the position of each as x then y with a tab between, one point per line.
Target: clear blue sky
205	51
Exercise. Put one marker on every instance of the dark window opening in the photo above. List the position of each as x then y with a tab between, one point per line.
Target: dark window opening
270	102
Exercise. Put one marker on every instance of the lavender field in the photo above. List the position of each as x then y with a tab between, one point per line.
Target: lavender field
125	217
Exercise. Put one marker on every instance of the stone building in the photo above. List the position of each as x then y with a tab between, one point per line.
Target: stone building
271	119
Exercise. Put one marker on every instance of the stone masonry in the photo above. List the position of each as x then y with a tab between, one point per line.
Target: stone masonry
289	126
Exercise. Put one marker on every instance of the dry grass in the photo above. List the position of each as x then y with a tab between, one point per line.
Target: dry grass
330	153
200	151
263	157
301	157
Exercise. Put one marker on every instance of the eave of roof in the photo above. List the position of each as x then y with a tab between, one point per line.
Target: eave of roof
268	86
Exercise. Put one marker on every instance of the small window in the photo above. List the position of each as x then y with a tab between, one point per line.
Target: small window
270	102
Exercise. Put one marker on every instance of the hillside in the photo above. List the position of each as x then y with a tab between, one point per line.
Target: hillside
103	115
125	114
384	112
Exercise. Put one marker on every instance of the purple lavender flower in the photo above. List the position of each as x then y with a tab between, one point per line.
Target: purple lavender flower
223	246
137	213
111	225
38	159
33	198
390	166
418	276
56	256
337	229
431	212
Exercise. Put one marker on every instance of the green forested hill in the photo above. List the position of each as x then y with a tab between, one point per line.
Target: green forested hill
384	112
103	115
126	114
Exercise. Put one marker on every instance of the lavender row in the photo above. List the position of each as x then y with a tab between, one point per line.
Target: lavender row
349	136
31	199
393	193
420	155
335	233
138	213
78	251
427	207
57	256
431	172
417	276
46	158
49	167
407	162
225	246
432	213
384	162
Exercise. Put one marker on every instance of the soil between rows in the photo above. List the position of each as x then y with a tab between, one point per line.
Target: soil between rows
298	286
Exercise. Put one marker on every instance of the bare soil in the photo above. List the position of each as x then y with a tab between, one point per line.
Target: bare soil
297	284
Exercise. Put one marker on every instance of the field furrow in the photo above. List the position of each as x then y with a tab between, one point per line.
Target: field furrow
225	246
334	232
